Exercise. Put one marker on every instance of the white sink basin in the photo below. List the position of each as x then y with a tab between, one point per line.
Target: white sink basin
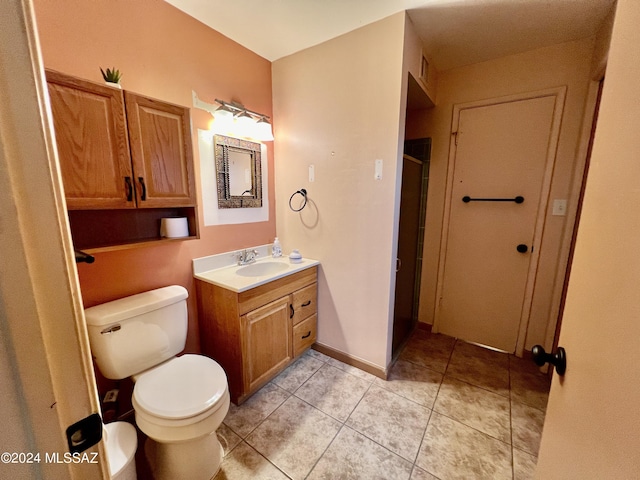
261	269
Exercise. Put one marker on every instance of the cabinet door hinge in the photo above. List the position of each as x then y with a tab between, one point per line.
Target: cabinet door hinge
455	137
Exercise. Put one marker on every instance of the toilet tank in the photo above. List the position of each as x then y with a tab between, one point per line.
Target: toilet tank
135	333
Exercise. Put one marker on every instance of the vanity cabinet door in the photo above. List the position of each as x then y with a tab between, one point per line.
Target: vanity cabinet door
266	342
161	151
93	148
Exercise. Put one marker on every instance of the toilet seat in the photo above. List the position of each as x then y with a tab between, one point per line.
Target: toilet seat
182	388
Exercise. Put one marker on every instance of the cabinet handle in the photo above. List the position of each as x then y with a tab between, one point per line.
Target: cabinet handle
292	312
306	304
129	188
143	196
307	335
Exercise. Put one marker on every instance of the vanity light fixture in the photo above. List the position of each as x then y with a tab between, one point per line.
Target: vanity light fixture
222	112
249	123
263	130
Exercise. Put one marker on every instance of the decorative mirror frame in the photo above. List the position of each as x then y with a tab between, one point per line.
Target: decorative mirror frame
223	145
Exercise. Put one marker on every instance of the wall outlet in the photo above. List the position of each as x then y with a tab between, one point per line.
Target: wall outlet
111	396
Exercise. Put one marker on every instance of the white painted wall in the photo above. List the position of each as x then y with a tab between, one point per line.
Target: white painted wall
340	106
565	64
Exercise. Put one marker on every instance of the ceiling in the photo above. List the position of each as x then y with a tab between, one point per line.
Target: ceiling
455	32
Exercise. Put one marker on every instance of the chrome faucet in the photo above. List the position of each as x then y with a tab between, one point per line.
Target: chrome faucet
246	257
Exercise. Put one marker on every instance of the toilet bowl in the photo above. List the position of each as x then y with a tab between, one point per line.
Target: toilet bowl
179	406
179	402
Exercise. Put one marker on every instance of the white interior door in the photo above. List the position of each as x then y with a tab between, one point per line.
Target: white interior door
502	151
46	375
592	424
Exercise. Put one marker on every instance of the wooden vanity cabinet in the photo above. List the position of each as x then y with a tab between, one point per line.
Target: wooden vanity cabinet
256	334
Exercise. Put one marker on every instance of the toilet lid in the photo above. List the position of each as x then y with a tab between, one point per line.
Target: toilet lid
181	388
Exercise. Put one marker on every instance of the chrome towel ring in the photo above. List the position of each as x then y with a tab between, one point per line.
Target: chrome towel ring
302	192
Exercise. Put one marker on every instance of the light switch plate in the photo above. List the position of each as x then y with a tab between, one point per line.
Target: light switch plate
312	173
559	207
378	170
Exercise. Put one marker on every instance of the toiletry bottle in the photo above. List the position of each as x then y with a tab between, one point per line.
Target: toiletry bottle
276	250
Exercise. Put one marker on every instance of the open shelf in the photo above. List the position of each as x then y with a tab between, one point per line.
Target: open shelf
96	231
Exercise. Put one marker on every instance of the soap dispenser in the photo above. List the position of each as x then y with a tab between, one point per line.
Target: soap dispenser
276	250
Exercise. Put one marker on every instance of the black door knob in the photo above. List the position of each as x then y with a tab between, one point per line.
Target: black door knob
522	248
558	359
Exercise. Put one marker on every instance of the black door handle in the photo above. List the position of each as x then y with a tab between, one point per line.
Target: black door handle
558	359
522	248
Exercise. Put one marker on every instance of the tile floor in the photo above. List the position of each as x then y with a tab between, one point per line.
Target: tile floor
448	410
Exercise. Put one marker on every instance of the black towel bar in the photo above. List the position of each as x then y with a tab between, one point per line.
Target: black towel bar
83	257
518	199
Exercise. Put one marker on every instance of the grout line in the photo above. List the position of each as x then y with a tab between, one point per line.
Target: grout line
325	450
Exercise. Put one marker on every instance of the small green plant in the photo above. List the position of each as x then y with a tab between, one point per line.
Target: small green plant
111	75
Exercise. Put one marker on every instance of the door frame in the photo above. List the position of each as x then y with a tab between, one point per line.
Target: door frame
418	263
587	133
560	94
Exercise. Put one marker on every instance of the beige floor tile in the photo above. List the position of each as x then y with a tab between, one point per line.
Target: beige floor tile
526	424
475	407
243	419
523	365
428	350
227	438
333	391
524	465
419	474
391	420
245	463
352	370
352	456
481	367
530	388
297	373
452	450
412	381
317	355
294	437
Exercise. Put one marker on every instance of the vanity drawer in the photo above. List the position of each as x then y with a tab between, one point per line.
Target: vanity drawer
304	334
304	302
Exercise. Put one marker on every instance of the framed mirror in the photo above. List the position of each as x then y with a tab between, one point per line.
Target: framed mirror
238	173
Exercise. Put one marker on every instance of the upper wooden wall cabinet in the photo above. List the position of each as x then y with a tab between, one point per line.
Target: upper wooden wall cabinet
120	150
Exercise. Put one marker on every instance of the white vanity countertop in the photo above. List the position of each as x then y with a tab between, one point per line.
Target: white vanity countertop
229	278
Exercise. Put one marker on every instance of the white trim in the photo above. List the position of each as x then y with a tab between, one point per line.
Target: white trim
559	93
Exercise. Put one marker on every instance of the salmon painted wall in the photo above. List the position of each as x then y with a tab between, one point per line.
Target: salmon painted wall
165	54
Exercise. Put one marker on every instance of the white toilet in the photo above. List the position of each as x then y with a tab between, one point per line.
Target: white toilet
179	402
